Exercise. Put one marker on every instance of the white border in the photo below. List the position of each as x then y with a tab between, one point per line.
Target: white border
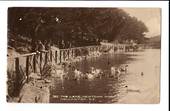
163	106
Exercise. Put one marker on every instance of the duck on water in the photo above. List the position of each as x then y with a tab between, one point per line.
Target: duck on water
70	72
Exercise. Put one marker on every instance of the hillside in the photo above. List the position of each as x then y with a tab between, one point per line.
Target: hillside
154	42
155	39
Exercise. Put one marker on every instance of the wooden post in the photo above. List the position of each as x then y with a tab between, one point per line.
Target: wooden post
16	83
17	65
73	53
63	53
56	55
34	63
41	64
68	53
72	56
124	47
93	50
51	56
89	50
60	55
46	57
27	68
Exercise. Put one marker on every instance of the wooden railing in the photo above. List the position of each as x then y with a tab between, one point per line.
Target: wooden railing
21	66
34	62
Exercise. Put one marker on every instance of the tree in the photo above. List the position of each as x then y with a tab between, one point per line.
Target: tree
75	26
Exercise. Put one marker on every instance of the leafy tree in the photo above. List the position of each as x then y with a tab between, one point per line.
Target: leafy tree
75	26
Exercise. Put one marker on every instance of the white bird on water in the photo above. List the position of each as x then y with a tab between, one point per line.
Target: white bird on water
77	74
124	68
115	72
90	76
96	72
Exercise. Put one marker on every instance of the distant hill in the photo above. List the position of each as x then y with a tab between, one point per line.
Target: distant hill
154	42
155	39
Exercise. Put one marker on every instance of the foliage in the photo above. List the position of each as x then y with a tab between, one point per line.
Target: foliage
70	27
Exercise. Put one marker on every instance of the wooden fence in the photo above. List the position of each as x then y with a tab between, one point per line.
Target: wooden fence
19	68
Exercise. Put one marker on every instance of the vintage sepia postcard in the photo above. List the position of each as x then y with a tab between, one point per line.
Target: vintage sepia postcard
83	55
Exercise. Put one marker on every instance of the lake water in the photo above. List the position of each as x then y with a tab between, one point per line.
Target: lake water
129	88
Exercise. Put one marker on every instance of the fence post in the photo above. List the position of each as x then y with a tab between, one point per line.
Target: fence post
60	56
46	57
41	64
34	63
63	55
51	56
56	56
16	84
72	53
27	68
68	53
17	65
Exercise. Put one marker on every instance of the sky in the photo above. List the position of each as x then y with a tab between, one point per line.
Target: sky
150	16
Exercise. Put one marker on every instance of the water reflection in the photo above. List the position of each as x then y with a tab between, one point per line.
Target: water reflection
105	90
